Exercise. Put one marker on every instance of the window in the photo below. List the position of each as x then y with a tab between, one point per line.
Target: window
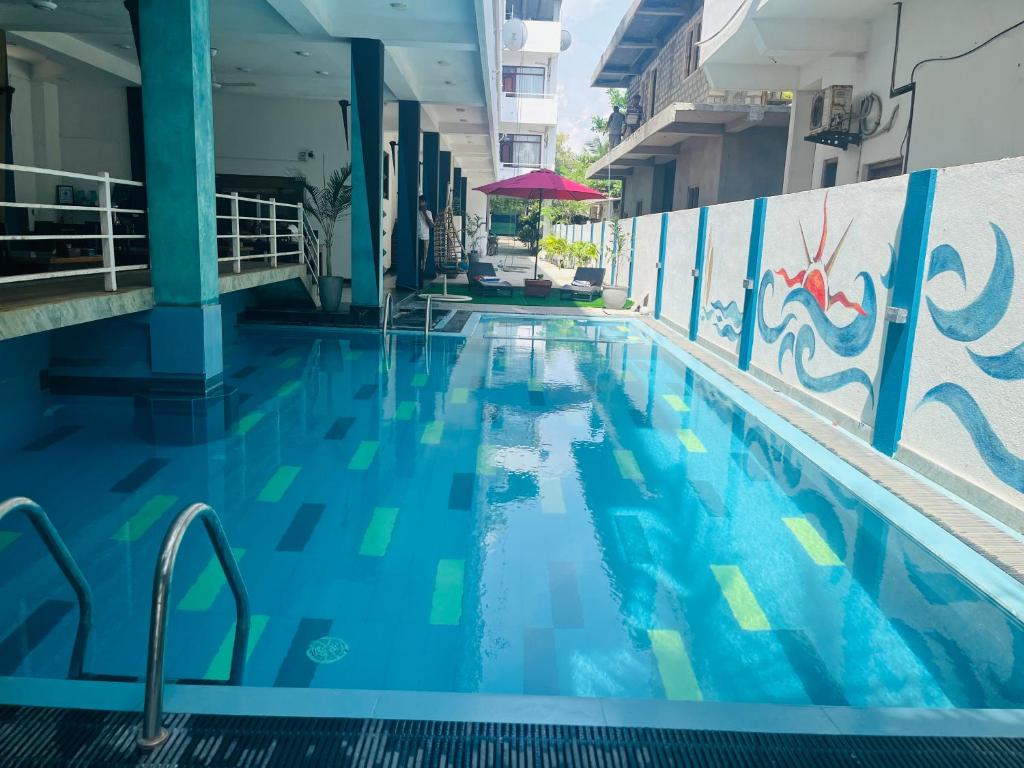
520	149
695	49
639	208
652	105
525	81
536	10
885	169
693	197
828	173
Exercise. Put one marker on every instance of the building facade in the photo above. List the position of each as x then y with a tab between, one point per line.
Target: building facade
532	40
689	144
902	108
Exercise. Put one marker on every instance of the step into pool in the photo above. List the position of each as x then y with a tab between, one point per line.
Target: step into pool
555	506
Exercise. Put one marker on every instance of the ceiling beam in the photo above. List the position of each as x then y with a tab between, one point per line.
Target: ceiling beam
472	129
64	47
304	16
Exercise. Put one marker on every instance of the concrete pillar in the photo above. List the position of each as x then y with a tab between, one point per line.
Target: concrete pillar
408	193
457	191
799	153
431	158
464	198
444	180
185	330
367	174
6	149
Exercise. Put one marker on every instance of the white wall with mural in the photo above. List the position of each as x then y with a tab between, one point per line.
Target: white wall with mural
826	271
645	270
680	259
725	268
963	411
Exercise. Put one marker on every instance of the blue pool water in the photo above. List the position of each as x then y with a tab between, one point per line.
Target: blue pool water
547	507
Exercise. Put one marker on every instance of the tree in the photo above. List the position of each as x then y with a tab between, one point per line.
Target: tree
599	125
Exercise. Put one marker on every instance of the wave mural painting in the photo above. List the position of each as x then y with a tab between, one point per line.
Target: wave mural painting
973	323
725	318
810	289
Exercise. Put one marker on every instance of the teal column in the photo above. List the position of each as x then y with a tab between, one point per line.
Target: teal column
457	191
406	257
901	316
185	326
463	199
591	232
662	250
600	253
632	259
367	128
753	272
698	273
431	157
444	179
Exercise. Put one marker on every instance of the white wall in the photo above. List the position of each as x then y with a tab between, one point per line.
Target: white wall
94	129
263	135
725	267
964	416
967	111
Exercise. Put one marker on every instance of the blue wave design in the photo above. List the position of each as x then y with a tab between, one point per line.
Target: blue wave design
887	278
786	346
985	312
1008	366
727	331
730	311
727	319
945	259
997	457
769	333
805	342
845	340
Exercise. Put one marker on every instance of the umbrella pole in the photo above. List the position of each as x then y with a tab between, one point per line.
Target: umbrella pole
536	248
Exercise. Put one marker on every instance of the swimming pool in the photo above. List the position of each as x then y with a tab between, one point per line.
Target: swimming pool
548	506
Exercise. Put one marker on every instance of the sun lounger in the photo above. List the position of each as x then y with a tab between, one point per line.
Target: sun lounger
586	284
482	279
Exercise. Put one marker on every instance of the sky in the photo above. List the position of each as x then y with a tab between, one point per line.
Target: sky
591	23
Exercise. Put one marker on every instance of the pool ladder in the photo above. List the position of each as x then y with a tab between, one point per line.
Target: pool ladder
153	733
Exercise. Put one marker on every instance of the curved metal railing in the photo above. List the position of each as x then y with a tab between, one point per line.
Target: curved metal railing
426	323
59	552
153	732
389	313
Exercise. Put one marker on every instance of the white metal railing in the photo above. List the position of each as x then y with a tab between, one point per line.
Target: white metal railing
106	237
291	214
518	95
310	247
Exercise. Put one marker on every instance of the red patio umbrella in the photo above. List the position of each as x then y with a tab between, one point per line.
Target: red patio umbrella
541	185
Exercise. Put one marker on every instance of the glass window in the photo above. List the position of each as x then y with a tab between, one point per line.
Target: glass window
525	81
520	149
536	10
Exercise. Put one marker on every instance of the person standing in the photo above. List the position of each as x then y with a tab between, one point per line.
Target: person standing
616	122
424	225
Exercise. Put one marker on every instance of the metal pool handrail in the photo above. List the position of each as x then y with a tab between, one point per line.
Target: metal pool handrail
389	310
426	323
59	552
153	732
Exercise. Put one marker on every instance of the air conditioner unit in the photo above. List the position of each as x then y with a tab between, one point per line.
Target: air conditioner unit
831	109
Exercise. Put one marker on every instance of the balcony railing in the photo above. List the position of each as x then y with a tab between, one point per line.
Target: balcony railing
78	245
264	229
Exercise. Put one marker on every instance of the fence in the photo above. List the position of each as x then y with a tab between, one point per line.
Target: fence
262	228
891	307
27	258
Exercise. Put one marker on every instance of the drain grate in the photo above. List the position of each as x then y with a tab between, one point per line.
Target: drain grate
62	737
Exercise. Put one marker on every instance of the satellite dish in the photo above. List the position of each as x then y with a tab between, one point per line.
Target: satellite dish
513	35
566	40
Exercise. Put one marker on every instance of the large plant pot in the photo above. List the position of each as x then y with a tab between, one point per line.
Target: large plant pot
474	256
614	296
330	293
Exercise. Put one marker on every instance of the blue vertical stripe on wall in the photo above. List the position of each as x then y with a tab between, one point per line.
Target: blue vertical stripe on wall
897	353
632	258
406	258
591	231
662	249
753	273
431	157
698	280
600	257
367	171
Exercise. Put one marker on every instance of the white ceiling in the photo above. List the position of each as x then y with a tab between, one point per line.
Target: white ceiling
433	52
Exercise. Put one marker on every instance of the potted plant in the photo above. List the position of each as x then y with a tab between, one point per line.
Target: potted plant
326	205
615	295
474	226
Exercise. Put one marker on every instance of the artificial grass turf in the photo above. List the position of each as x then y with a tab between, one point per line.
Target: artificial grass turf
518	299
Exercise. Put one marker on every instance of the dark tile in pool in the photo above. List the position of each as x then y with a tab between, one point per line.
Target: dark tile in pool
709	497
461	494
365	392
244	373
301	528
633	540
297	669
639	418
820	686
566	608
537	399
52	438
540	662
138	476
339	429
26	636
278	351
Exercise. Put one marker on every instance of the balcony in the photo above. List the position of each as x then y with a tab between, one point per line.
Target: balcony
529	108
